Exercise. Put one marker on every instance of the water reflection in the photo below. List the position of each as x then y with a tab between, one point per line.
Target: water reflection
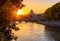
54	32
34	32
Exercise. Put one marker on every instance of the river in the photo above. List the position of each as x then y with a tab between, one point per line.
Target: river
36	32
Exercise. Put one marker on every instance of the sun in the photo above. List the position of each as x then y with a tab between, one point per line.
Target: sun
19	12
22	12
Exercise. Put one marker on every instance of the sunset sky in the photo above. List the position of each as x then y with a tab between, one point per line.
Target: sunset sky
38	6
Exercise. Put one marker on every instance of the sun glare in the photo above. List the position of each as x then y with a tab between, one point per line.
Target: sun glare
19	12
22	12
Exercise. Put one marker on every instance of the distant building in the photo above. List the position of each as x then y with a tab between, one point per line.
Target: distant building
32	16
31	12
41	17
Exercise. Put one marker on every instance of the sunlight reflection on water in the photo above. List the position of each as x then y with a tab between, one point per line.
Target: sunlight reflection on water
32	32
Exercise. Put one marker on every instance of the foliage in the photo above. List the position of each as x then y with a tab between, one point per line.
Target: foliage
7	23
53	13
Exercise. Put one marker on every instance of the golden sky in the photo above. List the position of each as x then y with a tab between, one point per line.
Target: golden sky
38	6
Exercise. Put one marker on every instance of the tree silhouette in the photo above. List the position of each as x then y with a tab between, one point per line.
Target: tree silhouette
7	10
53	13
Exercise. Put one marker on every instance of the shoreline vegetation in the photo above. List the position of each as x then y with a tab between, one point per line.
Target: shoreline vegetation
52	14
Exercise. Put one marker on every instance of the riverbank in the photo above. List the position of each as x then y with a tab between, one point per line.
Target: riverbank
50	23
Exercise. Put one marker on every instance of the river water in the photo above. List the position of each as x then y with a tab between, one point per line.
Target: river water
36	32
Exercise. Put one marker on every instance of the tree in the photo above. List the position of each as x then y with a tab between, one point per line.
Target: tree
8	9
53	13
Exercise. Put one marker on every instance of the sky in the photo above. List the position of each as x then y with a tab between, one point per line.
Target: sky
38	6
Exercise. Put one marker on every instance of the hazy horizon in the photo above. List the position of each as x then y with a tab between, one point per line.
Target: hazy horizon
38	6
